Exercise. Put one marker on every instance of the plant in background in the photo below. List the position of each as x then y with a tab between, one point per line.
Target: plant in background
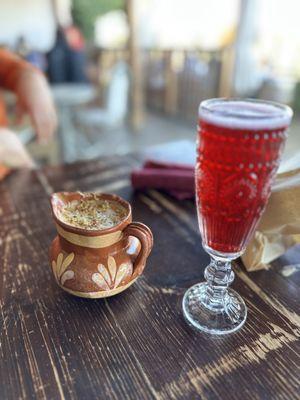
86	12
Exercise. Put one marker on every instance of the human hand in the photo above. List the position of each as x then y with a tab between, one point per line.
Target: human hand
12	152
34	97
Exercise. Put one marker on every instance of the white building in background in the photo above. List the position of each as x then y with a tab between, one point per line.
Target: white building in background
171	24
31	19
186	24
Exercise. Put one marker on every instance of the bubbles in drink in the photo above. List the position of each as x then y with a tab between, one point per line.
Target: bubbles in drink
241	114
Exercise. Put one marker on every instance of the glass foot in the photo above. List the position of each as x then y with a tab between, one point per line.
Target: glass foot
218	321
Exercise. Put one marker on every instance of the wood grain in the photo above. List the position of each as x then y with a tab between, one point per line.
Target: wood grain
135	345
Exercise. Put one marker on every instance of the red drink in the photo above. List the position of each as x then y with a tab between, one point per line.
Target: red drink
239	149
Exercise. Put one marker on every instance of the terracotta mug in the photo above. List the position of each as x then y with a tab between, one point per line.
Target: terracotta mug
98	263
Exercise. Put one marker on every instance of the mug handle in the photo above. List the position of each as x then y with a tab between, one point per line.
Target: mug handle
144	235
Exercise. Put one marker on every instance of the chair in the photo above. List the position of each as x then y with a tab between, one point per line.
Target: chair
115	112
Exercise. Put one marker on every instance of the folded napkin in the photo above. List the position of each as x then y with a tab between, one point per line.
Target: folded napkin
176	179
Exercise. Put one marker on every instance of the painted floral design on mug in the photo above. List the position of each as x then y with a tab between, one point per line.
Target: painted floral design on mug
112	276
60	268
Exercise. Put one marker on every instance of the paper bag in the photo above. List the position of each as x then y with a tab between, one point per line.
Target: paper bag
279	228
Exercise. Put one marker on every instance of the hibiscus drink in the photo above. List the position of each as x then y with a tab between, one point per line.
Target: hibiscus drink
236	163
239	146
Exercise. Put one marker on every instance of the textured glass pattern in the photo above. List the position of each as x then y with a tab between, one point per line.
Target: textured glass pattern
234	172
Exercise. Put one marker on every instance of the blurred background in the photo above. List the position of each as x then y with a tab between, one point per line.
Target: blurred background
127	75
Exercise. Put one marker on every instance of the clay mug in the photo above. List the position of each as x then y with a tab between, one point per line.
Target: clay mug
97	263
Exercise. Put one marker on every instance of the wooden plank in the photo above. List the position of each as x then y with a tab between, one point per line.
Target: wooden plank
135	61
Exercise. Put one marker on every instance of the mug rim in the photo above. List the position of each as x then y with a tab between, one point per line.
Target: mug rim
91	232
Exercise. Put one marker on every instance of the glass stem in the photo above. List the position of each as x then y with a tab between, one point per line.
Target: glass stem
219	276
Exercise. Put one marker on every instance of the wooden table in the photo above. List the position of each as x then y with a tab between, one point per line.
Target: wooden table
135	345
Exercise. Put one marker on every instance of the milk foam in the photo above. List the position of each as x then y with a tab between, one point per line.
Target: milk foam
245	114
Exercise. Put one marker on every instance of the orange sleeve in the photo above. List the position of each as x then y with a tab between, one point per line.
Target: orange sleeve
10	68
4	171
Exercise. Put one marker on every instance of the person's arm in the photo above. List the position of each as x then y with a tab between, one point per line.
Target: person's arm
32	90
11	68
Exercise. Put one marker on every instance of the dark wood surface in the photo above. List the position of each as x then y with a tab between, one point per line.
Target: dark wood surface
135	345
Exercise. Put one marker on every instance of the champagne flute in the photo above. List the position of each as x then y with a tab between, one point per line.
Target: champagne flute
239	146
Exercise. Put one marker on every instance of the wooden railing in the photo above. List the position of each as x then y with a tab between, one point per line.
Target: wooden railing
176	80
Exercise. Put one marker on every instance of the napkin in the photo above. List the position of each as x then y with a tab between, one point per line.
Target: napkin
174	178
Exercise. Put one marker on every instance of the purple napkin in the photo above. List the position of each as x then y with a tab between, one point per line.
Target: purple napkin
176	179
